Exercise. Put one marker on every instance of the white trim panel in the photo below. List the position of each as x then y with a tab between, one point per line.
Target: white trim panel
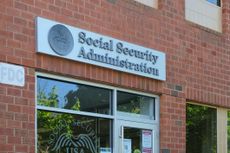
204	13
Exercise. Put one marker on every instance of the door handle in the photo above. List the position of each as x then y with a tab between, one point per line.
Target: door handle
121	135
122	138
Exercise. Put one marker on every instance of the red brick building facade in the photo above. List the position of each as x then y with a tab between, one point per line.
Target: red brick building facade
197	61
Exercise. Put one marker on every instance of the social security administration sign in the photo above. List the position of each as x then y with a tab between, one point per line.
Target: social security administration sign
58	39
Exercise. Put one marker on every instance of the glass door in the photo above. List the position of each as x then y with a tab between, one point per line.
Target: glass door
135	137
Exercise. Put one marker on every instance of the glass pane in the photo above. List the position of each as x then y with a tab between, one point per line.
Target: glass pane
135	104
201	129
137	140
66	95
216	2
66	133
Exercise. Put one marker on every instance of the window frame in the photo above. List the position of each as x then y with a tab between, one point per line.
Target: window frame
221	126
114	117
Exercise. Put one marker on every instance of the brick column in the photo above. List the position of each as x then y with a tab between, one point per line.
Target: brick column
17	110
172	124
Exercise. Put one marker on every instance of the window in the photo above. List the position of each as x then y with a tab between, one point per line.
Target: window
68	95
228	131
216	2
61	131
203	13
207	129
201	129
135	105
77	116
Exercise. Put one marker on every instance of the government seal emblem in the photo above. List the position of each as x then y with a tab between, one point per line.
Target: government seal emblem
60	39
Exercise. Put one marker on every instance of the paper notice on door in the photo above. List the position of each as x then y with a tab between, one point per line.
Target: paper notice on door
146	140
127	145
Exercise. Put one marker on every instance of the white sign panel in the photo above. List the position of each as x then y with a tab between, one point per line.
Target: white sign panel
76	44
12	74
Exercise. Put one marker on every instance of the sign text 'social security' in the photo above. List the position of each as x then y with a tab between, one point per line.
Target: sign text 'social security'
120	49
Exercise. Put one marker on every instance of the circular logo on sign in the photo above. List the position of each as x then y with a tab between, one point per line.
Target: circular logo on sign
60	39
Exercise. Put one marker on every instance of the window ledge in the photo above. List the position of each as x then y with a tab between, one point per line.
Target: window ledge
150	3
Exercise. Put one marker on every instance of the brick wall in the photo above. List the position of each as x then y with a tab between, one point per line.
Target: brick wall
17	114
197	60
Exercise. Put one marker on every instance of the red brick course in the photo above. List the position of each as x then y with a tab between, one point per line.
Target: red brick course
197	60
17	112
